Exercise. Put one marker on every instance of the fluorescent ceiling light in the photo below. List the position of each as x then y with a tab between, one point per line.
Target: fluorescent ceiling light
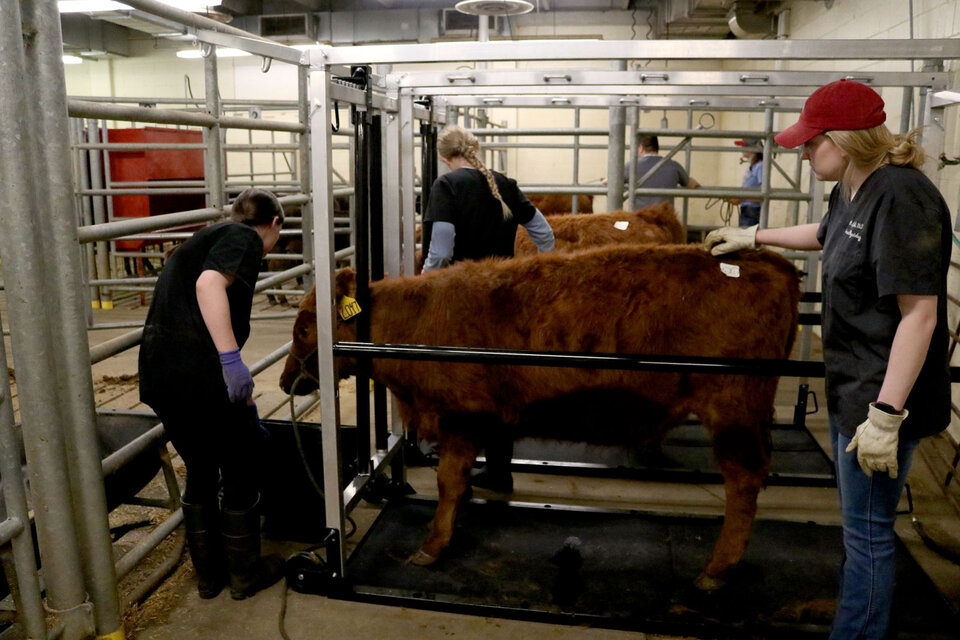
99	6
221	53
69	59
90	6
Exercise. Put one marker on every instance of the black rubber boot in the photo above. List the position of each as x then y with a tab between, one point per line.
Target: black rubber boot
496	475
202	522
249	573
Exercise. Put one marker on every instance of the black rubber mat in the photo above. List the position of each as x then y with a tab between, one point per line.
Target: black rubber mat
628	570
686	455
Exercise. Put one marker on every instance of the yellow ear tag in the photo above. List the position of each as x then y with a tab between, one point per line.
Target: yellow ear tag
348	308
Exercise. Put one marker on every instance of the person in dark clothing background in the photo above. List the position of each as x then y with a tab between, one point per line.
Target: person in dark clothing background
473	213
669	175
192	375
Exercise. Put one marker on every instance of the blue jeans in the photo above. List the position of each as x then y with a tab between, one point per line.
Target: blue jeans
868	507
749	215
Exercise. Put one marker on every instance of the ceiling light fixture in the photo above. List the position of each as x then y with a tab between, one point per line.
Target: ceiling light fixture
100	6
71	59
494	7
221	53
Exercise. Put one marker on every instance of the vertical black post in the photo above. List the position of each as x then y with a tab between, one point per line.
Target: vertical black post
428	170
361	128
800	410
376	263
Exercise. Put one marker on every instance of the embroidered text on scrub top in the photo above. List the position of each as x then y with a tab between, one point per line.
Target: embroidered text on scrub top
856	226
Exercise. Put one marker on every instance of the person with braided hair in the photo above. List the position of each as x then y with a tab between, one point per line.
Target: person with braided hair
473	213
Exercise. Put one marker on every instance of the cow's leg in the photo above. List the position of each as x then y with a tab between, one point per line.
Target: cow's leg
744	459
458	452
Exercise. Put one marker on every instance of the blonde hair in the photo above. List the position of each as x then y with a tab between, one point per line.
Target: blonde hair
456	142
869	149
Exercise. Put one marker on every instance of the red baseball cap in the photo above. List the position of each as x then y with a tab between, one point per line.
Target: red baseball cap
843	105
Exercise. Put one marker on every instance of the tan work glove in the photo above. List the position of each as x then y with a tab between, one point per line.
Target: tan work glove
730	239
876	441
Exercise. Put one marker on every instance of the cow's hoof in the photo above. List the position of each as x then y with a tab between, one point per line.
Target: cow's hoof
706	583
422	559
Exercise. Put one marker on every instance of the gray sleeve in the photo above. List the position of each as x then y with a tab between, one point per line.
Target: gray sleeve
540	232
683	178
441	246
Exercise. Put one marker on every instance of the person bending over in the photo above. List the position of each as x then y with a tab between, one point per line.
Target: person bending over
192	375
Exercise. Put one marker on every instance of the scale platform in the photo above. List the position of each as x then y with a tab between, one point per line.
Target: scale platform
631	571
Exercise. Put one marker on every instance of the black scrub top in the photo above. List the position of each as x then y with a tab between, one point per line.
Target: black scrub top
178	360
893	238
463	198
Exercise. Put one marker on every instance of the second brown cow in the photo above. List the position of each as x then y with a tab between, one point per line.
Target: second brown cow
553	203
656	224
658	300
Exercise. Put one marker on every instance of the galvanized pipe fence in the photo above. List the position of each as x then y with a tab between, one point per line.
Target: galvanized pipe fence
49	311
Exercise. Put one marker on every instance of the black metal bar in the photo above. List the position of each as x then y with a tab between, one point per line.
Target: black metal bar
809	318
800	410
617	361
380	427
428	170
811	296
361	128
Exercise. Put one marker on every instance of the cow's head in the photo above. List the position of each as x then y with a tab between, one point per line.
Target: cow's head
301	365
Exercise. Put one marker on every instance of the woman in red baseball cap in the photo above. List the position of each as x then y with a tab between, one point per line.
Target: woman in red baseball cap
886	250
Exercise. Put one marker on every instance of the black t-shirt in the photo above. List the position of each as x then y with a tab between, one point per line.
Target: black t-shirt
177	354
463	198
893	238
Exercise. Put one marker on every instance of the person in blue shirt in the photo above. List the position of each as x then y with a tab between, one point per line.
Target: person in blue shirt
752	179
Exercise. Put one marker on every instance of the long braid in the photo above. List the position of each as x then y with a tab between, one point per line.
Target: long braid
456	141
470	154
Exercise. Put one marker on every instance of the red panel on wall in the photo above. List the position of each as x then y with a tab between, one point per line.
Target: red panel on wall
147	165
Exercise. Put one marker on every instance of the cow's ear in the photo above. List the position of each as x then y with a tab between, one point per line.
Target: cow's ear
346	283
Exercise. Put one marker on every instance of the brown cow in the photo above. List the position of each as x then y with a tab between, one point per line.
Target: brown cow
663	300
656	224
554	203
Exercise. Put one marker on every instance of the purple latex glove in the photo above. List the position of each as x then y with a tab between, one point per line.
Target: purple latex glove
236	375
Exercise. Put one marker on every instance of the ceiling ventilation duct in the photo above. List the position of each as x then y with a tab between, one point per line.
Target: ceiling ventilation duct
746	22
291	28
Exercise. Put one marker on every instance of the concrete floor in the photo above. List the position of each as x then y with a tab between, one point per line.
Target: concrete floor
175	611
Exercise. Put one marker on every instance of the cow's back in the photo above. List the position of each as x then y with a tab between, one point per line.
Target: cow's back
657	224
555	203
672	300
